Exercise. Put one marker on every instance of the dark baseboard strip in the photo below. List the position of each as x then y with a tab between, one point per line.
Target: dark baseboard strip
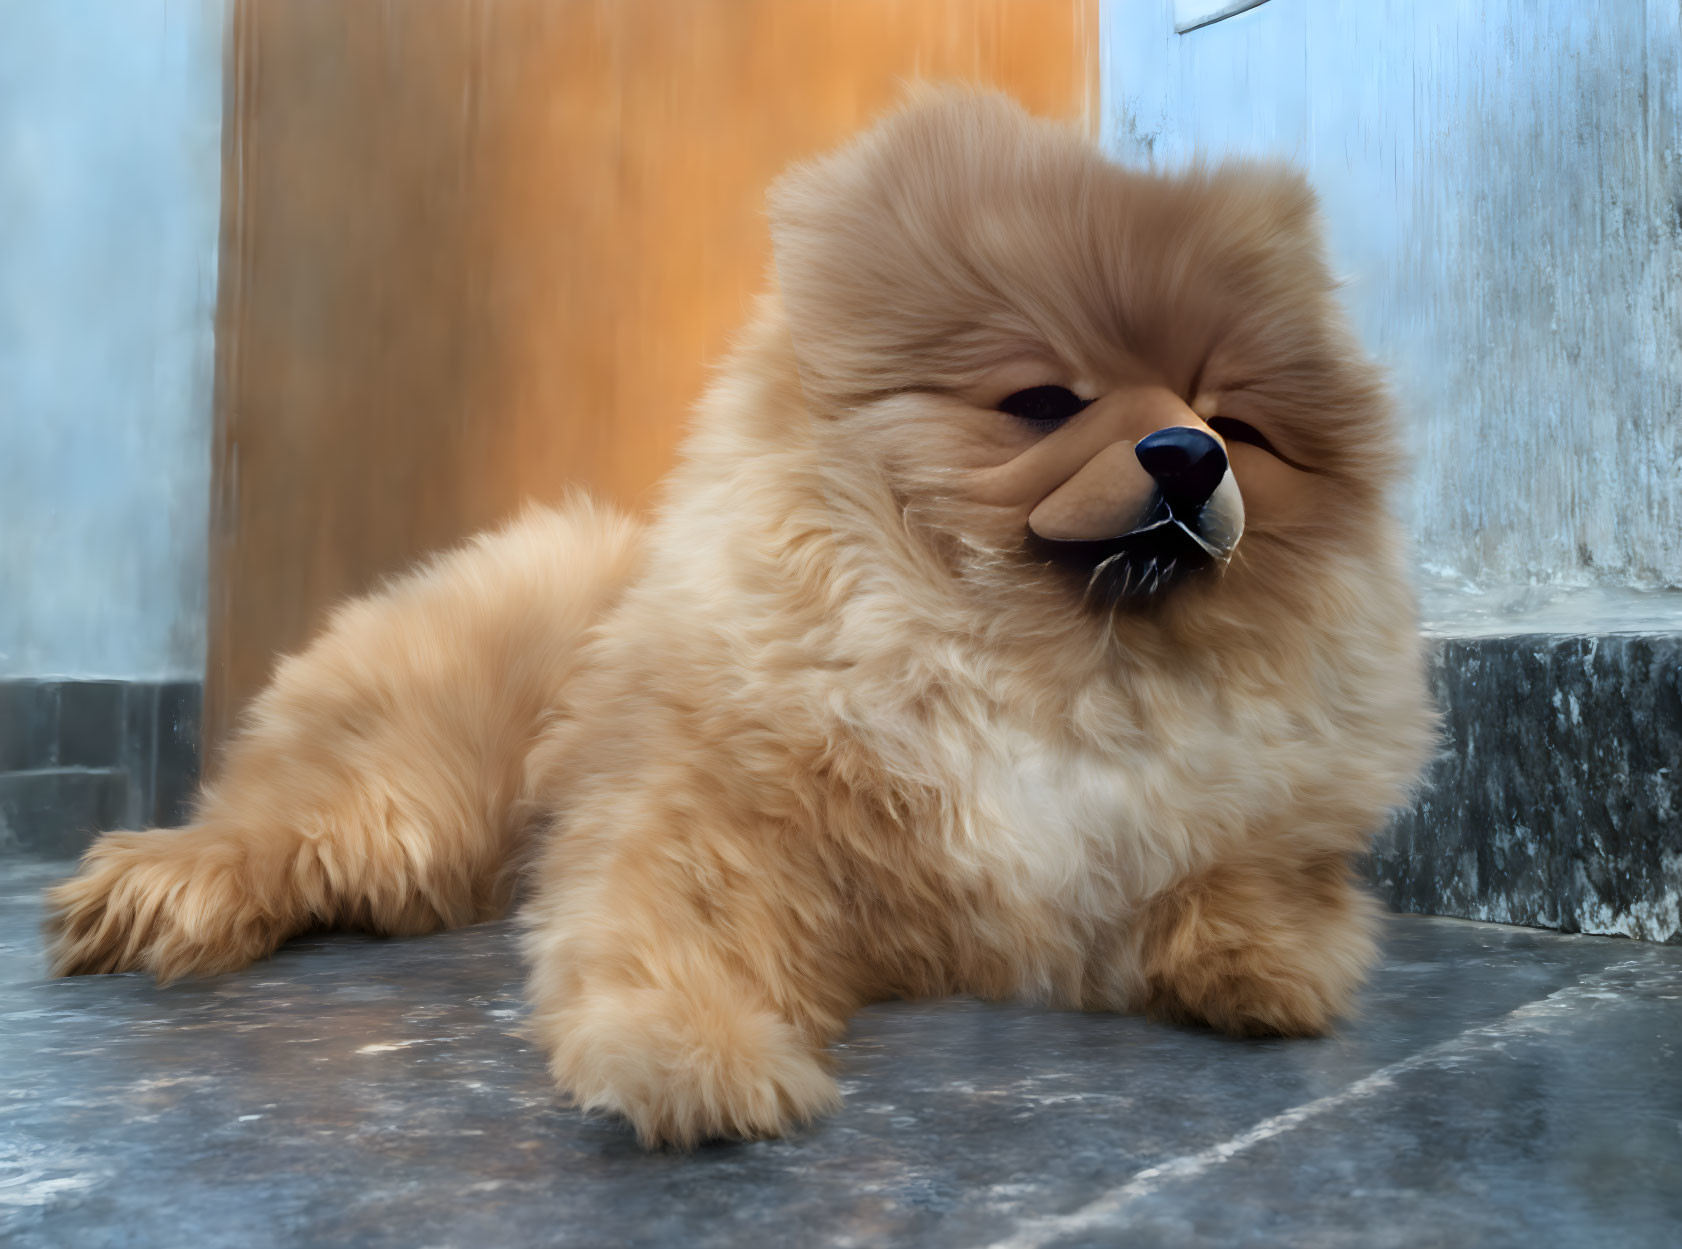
80	757
1556	800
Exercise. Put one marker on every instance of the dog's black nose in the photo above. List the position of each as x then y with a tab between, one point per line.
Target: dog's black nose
1187	463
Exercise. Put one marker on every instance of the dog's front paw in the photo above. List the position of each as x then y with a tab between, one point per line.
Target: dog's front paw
683	1069
173	903
1243	995
1258	950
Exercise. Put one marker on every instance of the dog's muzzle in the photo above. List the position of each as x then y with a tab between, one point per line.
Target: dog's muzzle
1132	534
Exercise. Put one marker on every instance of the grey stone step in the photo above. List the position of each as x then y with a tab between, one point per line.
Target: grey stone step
1557	797
1556	800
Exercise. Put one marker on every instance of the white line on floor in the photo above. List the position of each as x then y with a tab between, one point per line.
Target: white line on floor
1105	1210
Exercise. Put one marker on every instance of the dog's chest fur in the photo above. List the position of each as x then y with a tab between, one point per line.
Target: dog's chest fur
1084	826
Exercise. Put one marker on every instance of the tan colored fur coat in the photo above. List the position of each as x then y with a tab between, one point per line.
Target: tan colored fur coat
821	733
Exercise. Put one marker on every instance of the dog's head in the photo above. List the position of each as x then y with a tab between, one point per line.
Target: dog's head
1119	384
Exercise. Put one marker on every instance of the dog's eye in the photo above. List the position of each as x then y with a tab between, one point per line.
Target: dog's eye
1234	430
1046	406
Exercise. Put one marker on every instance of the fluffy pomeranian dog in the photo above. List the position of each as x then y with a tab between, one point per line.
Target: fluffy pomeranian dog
1026	617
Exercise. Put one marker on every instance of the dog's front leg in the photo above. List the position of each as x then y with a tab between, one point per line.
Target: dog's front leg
679	983
1258	946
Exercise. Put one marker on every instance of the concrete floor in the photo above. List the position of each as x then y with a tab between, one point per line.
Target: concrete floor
1502	1086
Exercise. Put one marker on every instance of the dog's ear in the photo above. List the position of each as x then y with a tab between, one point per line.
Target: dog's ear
813	224
1264	215
870	242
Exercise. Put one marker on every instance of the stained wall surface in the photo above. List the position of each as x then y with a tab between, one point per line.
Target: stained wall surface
110	125
1503	186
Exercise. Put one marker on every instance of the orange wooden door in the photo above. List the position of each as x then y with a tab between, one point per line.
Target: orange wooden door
481	251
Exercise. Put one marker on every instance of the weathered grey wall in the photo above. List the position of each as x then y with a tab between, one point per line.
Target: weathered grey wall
110	147
1503	183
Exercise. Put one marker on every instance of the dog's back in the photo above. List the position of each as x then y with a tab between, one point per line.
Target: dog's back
376	781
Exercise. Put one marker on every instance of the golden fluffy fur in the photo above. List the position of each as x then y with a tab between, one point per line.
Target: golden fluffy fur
821	733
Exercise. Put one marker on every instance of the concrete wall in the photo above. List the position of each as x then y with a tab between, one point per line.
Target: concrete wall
110	147
1503	182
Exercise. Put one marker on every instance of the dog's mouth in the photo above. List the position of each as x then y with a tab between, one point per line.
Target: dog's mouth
1185	526
1136	567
